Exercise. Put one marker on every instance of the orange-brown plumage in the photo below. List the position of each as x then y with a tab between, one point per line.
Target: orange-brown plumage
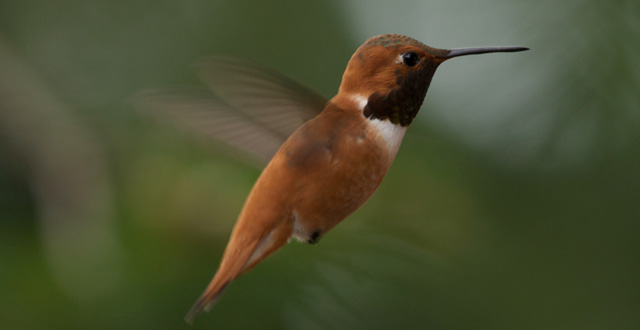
325	171
334	162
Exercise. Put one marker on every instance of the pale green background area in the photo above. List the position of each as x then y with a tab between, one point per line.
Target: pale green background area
514	201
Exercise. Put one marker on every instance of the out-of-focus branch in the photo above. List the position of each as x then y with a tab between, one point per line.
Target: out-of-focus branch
68	177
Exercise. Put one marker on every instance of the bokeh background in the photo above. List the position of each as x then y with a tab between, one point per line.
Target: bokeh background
514	202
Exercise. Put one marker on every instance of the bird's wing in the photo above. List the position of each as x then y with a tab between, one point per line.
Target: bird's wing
205	114
248	106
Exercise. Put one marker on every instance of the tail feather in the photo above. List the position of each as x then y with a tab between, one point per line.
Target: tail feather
206	301
241	255
232	263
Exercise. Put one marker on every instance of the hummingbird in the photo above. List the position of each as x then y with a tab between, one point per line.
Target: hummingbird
332	163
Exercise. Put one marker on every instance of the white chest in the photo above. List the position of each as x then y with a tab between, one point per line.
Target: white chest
389	132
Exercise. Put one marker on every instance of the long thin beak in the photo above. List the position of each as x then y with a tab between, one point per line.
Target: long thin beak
481	50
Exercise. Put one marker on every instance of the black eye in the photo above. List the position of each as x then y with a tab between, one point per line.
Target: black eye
410	59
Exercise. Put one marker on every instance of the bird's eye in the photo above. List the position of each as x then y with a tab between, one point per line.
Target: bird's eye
410	59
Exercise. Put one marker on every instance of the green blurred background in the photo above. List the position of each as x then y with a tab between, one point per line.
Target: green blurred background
514	202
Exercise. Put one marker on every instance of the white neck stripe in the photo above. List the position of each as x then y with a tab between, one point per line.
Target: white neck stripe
360	100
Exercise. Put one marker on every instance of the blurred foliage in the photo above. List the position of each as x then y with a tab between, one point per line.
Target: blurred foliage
513	203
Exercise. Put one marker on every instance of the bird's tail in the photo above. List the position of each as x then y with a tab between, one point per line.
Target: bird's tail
237	259
207	299
231	266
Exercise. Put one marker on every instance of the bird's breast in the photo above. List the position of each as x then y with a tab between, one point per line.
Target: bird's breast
387	134
336	165
325	171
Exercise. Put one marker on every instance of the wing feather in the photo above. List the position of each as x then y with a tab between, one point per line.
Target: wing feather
247	106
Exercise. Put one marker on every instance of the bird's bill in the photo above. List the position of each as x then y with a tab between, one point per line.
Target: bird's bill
481	50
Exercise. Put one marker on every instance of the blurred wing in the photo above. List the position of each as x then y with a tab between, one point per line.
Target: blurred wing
265	95
202	112
248	106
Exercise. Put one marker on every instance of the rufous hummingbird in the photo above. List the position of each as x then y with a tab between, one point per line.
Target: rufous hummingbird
334	162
